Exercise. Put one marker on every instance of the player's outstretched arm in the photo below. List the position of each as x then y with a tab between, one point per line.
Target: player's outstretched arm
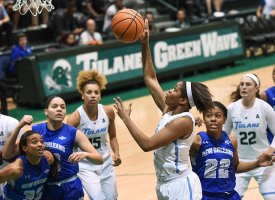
149	73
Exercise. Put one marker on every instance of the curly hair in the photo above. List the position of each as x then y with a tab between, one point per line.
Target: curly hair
90	76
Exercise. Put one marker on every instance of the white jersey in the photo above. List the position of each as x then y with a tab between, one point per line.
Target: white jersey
249	127
7	124
173	160
268	7
86	37
97	132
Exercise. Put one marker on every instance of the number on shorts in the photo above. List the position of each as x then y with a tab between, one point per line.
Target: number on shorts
211	168
248	138
96	141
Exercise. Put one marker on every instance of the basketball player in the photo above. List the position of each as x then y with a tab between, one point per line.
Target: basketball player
60	139
248	117
7	124
215	158
174	133
96	122
27	175
269	97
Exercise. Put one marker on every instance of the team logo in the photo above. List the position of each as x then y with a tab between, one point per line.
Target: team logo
60	77
62	138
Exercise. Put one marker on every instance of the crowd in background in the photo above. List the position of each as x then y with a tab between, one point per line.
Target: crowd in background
87	22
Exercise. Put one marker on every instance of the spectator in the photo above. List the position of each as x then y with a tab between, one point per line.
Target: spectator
90	36
93	8
5	24
63	20
217	6
20	50
181	21
266	7
110	12
150	17
69	40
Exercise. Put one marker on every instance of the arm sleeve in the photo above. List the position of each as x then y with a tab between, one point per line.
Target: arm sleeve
227	127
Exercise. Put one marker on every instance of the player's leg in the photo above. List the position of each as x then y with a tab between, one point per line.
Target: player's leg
91	184
266	182
108	183
242	182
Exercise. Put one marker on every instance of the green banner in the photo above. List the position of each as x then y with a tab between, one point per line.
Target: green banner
124	62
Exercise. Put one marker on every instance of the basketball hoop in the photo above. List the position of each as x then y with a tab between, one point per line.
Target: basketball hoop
34	6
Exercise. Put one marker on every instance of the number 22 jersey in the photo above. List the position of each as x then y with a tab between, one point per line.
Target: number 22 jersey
214	164
249	127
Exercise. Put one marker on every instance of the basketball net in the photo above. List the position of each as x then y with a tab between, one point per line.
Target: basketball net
34	6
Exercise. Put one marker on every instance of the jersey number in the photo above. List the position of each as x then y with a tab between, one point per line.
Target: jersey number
32	194
211	168
248	138
96	142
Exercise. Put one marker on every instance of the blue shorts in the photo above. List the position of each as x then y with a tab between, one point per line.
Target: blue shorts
233	195
69	190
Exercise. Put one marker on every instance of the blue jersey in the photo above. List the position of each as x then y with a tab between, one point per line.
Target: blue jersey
31	184
61	144
270	94
214	164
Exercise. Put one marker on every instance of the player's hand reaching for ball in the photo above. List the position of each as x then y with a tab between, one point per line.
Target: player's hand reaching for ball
144	38
120	108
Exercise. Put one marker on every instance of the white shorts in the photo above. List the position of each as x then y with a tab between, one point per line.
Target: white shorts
265	177
99	185
182	188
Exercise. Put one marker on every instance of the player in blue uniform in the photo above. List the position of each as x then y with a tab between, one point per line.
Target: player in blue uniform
27	175
60	139
215	158
269	96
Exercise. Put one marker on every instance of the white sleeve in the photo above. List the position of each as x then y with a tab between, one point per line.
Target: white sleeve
270	118
227	127
11	124
83	39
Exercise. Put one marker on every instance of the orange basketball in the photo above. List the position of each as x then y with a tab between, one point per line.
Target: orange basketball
127	25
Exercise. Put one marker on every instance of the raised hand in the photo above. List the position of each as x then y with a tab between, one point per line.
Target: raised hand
144	38
26	120
121	110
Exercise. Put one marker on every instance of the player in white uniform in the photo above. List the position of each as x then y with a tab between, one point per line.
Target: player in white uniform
248	117
96	121
174	133
7	124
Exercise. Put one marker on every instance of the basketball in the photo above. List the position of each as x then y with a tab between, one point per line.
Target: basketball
127	25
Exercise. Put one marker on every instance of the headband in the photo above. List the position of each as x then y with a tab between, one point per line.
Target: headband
189	93
254	78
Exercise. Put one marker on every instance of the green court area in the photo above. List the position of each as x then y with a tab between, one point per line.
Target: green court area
240	66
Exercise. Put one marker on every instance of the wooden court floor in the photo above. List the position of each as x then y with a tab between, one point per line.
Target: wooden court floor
136	175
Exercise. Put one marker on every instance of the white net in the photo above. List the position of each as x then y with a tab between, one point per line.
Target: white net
34	6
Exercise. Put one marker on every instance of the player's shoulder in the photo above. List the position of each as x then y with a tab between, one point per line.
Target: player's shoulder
8	118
